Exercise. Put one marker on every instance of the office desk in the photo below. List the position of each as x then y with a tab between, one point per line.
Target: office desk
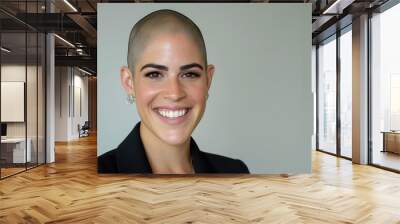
16	147
391	141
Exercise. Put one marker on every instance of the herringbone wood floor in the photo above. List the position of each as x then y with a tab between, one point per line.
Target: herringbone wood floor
70	191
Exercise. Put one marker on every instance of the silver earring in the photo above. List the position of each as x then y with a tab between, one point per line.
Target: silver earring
130	99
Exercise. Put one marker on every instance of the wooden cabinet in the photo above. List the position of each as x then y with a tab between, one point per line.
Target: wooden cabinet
391	142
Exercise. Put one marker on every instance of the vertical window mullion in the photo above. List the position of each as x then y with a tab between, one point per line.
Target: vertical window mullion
317	96
369	91
37	89
338	91
26	85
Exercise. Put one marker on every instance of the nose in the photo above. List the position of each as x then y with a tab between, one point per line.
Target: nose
174	89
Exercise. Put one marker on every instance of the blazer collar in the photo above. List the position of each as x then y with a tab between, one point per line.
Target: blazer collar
199	159
131	155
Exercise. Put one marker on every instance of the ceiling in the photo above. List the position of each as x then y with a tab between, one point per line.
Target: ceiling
76	22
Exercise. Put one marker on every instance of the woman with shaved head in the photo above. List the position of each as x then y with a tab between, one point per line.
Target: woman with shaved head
168	78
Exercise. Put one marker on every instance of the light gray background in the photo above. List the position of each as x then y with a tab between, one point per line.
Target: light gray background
260	104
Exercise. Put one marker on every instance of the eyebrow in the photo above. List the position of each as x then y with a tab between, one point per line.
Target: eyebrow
189	66
151	65
165	68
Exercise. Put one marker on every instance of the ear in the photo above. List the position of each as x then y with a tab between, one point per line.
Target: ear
127	80
210	74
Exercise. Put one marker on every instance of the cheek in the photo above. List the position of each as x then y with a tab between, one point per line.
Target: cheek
145	94
197	93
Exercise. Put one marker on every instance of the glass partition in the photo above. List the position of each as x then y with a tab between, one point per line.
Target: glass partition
13	109
22	77
327	95
385	89
31	99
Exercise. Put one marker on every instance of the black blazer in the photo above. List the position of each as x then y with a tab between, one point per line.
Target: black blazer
130	157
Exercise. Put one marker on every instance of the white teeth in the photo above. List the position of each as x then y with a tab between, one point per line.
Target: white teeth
172	113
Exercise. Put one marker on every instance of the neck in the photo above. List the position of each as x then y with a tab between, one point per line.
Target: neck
165	158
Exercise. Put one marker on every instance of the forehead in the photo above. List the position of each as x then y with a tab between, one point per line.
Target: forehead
170	46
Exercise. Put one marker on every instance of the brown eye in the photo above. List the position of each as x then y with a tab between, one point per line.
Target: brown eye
191	75
153	75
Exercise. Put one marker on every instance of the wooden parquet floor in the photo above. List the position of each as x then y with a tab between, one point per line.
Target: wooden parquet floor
71	191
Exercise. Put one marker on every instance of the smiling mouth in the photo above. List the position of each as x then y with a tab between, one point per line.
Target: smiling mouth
171	114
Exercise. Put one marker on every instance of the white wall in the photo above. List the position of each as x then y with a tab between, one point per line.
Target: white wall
70	83
80	84
62	82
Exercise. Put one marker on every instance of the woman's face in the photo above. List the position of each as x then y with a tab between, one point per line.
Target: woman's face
171	85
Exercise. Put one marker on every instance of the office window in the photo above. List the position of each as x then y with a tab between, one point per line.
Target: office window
346	93
327	95
385	88
314	92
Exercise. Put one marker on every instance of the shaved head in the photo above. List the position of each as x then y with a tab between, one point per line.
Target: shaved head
157	23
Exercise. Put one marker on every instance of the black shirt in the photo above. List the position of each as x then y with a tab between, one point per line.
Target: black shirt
130	157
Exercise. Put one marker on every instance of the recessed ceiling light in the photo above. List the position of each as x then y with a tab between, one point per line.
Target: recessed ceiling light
64	40
70	5
5	50
84	71
337	7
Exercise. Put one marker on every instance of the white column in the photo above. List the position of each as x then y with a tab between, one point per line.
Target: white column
360	90
50	93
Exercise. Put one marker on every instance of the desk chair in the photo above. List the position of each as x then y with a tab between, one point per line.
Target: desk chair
84	130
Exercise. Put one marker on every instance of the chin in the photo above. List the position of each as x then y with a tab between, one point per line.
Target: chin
174	137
